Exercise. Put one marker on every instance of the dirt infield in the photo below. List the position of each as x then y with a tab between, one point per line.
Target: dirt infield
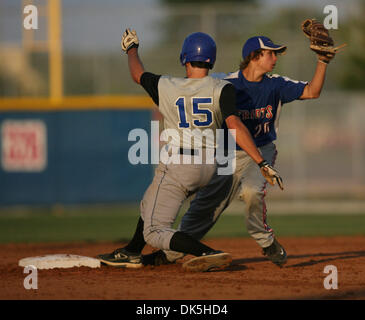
250	276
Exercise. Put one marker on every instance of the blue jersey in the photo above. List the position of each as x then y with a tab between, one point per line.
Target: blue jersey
259	103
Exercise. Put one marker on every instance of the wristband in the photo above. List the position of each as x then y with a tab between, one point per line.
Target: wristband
324	61
132	46
263	163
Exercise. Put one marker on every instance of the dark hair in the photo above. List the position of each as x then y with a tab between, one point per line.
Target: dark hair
201	64
252	56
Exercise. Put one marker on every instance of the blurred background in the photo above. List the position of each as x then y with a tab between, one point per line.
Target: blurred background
67	102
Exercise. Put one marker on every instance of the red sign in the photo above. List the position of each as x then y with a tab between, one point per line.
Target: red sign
24	145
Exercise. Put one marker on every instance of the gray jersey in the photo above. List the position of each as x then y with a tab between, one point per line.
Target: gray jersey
189	107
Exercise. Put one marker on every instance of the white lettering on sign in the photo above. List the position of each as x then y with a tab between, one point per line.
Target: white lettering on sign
24	145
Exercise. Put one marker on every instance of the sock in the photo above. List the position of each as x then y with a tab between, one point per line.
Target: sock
137	243
182	242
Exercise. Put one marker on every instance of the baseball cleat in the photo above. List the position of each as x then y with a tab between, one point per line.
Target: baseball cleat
208	262
275	253
121	258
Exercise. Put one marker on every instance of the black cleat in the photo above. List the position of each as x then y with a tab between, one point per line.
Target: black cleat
157	258
121	258
275	253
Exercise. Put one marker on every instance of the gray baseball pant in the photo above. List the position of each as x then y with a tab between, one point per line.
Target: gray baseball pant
171	185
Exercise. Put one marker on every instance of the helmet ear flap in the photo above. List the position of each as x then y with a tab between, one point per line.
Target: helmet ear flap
183	58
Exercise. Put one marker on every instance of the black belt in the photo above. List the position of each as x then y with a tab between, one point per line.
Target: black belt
191	152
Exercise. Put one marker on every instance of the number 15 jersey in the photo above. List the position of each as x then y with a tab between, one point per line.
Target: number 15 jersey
191	104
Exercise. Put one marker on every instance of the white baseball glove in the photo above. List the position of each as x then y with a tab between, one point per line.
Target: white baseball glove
129	40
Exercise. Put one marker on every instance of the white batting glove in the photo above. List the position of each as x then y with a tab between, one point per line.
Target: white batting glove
129	40
270	174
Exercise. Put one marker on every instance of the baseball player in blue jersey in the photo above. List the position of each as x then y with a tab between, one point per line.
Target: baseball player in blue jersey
199	102
260	97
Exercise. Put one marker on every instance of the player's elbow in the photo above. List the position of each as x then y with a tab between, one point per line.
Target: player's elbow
136	73
315	95
137	80
310	93
233	122
136	76
309	96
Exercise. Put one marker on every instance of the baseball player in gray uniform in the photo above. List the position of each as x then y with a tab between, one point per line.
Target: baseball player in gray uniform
195	102
259	100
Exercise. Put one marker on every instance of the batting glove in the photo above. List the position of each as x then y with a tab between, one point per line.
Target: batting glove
129	40
270	174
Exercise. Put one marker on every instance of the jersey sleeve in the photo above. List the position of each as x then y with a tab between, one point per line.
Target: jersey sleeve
149	81
218	75
289	89
227	101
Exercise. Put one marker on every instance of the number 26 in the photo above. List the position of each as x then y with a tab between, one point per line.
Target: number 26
265	127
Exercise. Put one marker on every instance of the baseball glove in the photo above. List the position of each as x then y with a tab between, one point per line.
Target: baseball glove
320	40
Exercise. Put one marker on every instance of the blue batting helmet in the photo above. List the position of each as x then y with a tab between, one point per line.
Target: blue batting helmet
198	46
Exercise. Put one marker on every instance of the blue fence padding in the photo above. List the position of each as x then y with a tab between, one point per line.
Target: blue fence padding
87	160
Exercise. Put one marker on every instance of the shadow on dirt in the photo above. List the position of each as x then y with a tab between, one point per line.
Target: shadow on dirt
232	267
237	264
353	294
327	257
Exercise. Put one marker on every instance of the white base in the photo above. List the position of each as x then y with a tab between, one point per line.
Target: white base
59	261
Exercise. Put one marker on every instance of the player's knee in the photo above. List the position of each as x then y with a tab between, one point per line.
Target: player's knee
156	237
150	236
152	239
251	194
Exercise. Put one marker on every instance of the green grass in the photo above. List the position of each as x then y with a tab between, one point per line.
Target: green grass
117	223
295	225
97	223
320	224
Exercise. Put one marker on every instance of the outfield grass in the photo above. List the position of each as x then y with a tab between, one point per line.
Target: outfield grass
117	223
